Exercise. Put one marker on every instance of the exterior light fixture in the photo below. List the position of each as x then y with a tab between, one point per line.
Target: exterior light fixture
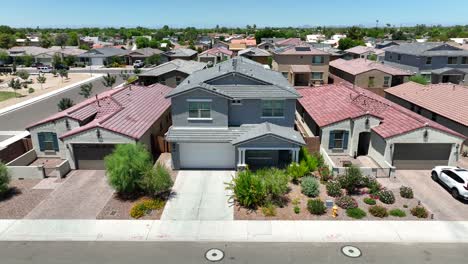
98	133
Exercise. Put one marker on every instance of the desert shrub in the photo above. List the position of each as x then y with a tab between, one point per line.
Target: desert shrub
31	90
356	213
386	197
269	209
138	210
312	161
248	189
4	178
125	167
296	201
346	202
143	207
369	201
419	212
351	180
275	181
334	189
157	181
405	206
325	174
297	171
310	186
374	186
406	192
378	211
397	213
297	210
316	206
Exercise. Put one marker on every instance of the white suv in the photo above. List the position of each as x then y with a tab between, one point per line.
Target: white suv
454	178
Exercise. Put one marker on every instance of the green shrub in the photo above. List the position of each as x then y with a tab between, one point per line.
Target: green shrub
378	211
141	208
248	189
325	174
296	201
397	213
386	197
157	181
356	213
275	181
334	189
316	206
406	192
374	186
31	90
369	201
346	202
269	210
4	178
405	206
351	180
138	210
418	79
297	210
297	171
312	161
310	186
126	166
419	212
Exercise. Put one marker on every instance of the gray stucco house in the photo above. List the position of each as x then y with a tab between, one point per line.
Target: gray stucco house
438	62
234	114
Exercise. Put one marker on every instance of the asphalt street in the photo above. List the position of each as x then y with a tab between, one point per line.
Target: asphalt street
194	252
18	120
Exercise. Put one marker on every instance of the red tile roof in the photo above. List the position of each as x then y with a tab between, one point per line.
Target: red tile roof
216	50
364	49
358	66
289	41
330	104
448	100
130	110
248	41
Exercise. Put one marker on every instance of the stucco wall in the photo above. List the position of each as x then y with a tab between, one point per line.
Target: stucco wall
282	63
362	80
170	78
250	112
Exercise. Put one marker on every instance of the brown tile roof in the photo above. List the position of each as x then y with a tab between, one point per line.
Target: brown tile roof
364	49
288	41
330	104
358	66
448	100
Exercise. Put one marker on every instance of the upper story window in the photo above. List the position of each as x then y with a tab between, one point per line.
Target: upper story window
371	82
390	56
464	60
386	81
338	139
318	60
162	80
272	108
399	57
236	102
317	75
200	109
428	60
48	141
452	60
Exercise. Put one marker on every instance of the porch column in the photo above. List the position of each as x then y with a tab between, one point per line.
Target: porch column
296	156
240	156
243	156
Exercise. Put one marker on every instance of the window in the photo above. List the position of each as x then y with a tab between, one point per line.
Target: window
386	81
371	82
452	60
428	60
236	102
48	141
272	108
464	60
317	75
454	176
317	60
199	109
390	56
399	57
338	139
178	80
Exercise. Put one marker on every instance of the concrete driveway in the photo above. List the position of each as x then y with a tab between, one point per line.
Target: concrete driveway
200	195
433	195
81	196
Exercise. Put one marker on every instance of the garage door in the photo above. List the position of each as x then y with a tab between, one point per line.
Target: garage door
207	156
420	156
91	156
97	61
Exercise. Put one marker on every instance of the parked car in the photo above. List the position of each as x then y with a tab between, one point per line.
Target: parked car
454	178
138	64
37	64
62	67
44	69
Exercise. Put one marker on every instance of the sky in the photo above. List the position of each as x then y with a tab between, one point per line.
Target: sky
230	13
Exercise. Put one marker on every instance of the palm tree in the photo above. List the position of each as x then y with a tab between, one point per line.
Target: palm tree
109	80
65	103
86	90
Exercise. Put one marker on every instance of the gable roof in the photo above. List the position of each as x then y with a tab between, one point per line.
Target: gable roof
358	66
447	100
180	52
330	104
30	50
270	83
216	50
288	42
103	52
247	41
303	49
427	49
364	49
130	110
180	65
269	129
254	52
144	52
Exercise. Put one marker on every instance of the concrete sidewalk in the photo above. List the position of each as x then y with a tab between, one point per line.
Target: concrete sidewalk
235	231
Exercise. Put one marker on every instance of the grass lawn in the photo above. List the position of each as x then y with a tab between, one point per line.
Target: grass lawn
6	95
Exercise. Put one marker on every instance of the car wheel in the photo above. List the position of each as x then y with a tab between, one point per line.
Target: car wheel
455	193
434	176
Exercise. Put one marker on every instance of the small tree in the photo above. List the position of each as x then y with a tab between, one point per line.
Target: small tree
154	59
351	180
126	166
109	80
86	89
418	79
65	103
136	71
63	73
56	60
23	75
4	178
15	84
41	79
3	57
28	60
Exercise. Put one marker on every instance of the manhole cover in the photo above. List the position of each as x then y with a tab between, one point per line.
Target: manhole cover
350	251
214	255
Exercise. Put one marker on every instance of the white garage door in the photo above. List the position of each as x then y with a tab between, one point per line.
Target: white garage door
207	156
97	61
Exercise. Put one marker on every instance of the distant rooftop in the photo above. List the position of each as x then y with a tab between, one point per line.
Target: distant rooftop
180	65
358	66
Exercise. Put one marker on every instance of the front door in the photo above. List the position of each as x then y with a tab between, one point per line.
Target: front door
363	145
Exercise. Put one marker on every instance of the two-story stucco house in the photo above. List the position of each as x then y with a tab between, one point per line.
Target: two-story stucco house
234	114
303	65
438	62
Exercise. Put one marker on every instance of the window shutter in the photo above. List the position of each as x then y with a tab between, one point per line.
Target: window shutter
331	140
345	139
54	138
40	138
